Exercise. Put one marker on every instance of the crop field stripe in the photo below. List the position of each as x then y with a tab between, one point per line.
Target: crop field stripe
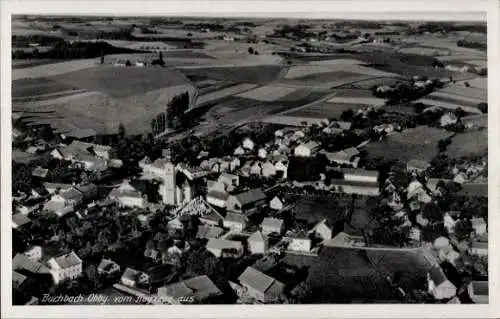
450	106
455	99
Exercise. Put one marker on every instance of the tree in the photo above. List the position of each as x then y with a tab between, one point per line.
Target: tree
463	229
256	52
128	63
91	274
459	112
250	50
121	131
442	144
347	115
432	212
102	55
483	107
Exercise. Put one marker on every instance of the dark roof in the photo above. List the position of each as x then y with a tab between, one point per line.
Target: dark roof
209	232
250	196
237	218
257	280
17	279
480	288
21	261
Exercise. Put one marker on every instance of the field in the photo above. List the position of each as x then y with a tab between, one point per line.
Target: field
323	110
38	86
52	69
460	90
467	144
225	92
258	75
268	93
419	143
290	120
358	101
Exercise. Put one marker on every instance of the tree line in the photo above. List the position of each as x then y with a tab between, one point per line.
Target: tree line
173	115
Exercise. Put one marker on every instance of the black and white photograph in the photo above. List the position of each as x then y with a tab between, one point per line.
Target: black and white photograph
253	160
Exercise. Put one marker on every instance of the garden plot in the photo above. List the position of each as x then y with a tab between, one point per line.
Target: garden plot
268	93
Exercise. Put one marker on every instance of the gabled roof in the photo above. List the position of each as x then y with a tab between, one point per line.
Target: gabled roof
200	288
215	243
250	196
56	186
257	280
68	260
17	279
256	237
40	172
359	172
21	261
209	232
480	288
106	264
71	194
311	145
20	219
131	274
237	218
272	222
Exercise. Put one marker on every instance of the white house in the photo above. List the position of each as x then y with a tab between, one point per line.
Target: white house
126	195
218	247
257	244
132	277
236	222
282	166
272	225
262	153
268	169
261	286
65	267
323	230
276	203
107	267
307	149
438	285
34	253
300	242
239	151
248	144
448	119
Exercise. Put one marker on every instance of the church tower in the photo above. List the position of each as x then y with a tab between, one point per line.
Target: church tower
169	185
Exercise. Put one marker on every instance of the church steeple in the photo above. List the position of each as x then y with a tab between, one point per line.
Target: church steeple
169	184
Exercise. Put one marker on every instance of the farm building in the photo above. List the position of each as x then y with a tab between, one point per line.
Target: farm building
220	247
247	202
260	286
257	244
360	175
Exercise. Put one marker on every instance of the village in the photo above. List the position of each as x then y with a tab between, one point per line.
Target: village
273	182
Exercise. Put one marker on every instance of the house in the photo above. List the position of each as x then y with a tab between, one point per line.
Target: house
235	222
479	225
58	207
107	267
360	175
205	231
256	169
239	151
417	166
230	181
127	196
133	278
272	225
449	223
438	285
268	169
78	147
323	230
448	119
261	286
343	157
307	149
282	168
449	255
257	244
262	153
276	203
23	263
40	172
478	292
68	266
34	253
89	191
478	248
70	197
152	254
247	202
300	242
52	188
460	178
19	220
194	290
220	247
29	206
248	144
217	194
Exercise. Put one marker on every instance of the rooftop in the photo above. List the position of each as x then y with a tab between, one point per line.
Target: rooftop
237	218
200	288
257	280
272	222
68	260
215	243
250	196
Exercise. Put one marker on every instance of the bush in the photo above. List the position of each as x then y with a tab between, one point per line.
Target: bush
250	50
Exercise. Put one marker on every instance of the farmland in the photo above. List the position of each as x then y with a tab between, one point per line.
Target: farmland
419	143
268	93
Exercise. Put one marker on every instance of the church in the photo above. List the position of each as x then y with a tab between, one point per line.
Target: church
179	182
